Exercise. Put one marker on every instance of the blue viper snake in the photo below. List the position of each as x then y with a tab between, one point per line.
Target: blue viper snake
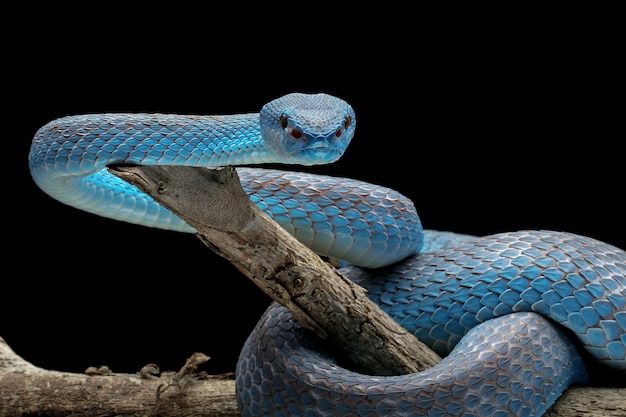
511	313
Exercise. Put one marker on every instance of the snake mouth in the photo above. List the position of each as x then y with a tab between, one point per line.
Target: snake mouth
318	155
320	149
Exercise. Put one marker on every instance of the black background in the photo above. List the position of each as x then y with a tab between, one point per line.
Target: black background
486	126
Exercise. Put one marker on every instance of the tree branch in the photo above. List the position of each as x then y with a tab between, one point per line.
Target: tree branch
27	390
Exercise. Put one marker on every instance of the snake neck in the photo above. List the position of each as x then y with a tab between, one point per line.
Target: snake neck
69	157
88	143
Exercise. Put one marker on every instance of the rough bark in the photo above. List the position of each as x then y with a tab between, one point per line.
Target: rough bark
27	390
318	296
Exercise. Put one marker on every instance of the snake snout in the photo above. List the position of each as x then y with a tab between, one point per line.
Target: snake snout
319	142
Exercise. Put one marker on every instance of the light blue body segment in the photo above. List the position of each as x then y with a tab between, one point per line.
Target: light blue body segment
357	222
69	156
494	306
577	281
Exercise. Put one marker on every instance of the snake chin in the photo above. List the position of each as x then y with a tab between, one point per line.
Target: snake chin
317	156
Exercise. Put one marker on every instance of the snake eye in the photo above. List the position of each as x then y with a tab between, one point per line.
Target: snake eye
283	121
295	133
347	122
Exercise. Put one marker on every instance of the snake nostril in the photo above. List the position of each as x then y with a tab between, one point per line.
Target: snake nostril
283	121
339	132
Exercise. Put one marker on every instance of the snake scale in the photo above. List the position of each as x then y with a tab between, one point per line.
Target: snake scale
510	313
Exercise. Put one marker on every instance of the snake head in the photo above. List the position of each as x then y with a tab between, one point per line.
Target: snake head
307	129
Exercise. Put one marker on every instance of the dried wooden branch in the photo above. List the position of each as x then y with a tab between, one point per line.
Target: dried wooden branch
27	390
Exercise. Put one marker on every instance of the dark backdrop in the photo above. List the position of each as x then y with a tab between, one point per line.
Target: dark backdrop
485	129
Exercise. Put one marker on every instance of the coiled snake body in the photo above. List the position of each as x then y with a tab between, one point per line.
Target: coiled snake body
502	309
